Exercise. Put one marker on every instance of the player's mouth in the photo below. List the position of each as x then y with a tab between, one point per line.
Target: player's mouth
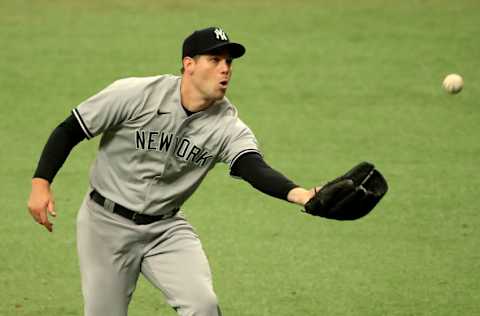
224	84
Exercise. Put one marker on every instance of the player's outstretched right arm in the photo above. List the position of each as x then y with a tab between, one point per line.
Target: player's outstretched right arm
63	138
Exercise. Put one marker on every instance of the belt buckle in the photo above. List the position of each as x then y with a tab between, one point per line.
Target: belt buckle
109	205
134	216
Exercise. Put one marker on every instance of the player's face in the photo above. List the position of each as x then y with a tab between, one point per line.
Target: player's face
211	75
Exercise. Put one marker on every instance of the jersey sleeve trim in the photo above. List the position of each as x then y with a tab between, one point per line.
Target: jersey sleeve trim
242	153
82	124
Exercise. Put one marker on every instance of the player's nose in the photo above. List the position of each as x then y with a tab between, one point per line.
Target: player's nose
225	66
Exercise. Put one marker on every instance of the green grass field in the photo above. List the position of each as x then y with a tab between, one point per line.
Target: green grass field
324	85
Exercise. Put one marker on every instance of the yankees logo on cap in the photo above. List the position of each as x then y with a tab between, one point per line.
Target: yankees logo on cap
210	39
220	34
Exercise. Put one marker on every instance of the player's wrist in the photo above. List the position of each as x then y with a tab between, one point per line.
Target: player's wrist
40	183
299	196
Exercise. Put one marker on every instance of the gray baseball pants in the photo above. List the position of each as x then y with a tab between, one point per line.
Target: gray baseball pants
113	251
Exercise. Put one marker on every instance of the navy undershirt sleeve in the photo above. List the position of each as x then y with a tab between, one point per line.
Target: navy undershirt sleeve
63	138
252	168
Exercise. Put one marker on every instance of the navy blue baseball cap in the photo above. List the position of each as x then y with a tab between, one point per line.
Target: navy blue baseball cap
210	39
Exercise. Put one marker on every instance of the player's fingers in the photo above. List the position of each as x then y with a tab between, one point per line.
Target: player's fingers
49	226
51	208
42	216
35	214
45	222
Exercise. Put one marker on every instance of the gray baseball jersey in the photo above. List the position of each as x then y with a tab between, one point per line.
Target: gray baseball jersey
152	155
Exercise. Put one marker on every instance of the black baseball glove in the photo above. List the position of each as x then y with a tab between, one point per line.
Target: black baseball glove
350	196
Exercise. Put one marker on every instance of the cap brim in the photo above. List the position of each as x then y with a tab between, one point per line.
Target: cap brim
236	50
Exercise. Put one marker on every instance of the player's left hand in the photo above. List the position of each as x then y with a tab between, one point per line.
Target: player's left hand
350	196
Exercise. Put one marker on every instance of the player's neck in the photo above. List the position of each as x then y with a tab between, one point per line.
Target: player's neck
191	100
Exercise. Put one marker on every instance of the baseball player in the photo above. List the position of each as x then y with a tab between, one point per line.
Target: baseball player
160	137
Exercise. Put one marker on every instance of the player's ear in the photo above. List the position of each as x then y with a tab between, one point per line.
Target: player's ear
188	65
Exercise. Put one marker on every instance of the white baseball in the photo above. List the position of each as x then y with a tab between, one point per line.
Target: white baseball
453	83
